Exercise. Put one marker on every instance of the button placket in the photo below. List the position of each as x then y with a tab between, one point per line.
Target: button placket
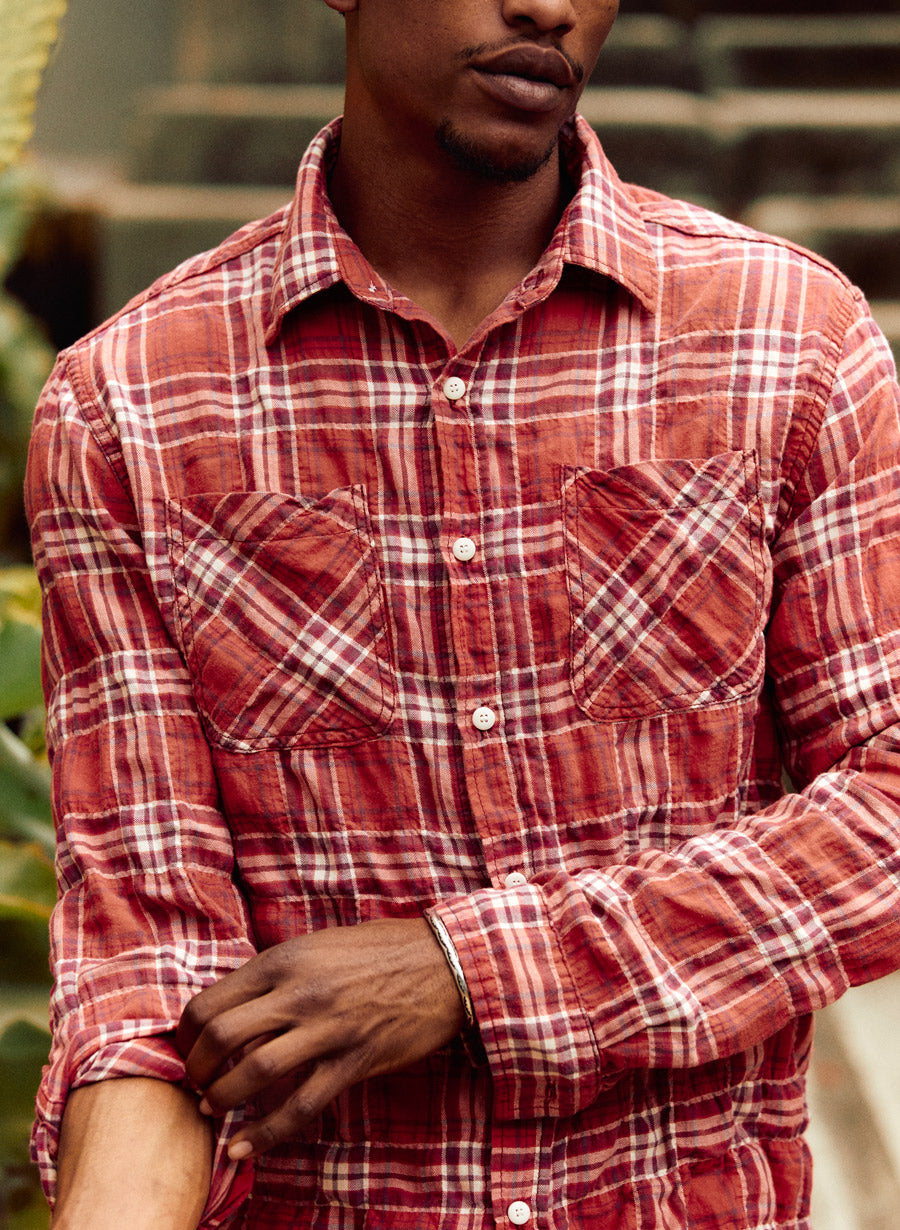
466	506
461	507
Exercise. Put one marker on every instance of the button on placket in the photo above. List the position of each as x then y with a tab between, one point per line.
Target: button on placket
464	550
519	1213
515	879
484	718
454	388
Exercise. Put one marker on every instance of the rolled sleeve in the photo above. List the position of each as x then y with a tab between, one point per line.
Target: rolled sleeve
148	912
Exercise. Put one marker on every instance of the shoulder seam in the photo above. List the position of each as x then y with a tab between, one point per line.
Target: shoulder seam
822	393
194	266
88	404
739	234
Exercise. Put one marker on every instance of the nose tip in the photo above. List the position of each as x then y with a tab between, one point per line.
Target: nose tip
548	16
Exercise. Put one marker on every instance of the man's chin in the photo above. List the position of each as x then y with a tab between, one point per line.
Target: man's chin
503	166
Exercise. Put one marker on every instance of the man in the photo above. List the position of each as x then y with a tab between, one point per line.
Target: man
438	578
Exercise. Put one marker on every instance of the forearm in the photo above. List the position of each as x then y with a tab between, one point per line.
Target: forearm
133	1152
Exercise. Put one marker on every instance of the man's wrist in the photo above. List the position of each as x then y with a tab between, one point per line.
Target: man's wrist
442	935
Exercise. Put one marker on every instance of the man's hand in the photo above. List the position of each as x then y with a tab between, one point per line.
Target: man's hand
352	1002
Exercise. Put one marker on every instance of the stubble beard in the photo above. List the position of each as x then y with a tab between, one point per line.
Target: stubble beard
486	164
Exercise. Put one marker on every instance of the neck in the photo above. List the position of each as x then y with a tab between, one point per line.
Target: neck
450	239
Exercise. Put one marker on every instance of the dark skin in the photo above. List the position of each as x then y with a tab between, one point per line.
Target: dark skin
358	1001
449	180
451	238
355	1002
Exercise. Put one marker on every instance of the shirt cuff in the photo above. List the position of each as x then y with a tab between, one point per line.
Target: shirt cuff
154	1057
537	1037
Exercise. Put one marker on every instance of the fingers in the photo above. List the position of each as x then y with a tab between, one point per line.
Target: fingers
241	987
226	1034
329	1078
260	1069
353	1001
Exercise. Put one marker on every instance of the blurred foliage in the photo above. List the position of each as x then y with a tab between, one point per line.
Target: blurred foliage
23	1048
28	30
25	354
27	894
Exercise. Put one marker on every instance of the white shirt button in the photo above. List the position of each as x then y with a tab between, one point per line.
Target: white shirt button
515	879
464	549
454	388
484	718
519	1213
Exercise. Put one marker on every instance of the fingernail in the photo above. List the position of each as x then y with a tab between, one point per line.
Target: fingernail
205	1108
239	1150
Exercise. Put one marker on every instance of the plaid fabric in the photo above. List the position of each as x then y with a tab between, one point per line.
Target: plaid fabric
677	457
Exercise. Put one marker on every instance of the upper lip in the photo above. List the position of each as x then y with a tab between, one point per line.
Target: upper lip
533	63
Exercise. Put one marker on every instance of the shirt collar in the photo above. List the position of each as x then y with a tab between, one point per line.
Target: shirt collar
602	230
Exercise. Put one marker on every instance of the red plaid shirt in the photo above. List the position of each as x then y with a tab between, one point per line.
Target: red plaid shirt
673	456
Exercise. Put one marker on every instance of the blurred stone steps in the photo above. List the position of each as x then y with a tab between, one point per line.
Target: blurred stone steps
815	141
208	157
259	41
129	234
702	99
202	133
859	52
887	314
727	148
145	230
649	50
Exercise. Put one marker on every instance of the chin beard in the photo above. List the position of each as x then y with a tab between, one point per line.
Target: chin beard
486	164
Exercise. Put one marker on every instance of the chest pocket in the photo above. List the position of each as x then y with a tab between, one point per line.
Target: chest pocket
665	577
282	618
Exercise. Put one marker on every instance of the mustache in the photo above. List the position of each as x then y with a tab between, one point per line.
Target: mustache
485	51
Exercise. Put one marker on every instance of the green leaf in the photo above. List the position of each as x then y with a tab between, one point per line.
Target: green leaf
20	669
23	1052
24	794
22	1204
20	595
26	875
25	1003
33	1214
27	896
25	361
29	31
22	194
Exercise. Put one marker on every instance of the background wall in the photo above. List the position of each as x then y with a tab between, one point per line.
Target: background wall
109	50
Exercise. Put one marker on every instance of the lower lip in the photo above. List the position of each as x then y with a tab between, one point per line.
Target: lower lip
521	92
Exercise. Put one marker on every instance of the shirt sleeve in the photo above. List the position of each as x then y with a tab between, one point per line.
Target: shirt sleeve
684	956
148	913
